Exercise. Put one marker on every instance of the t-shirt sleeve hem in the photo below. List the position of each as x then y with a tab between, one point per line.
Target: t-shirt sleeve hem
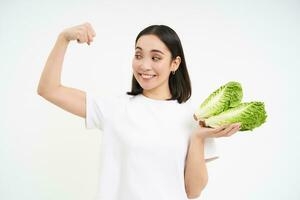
211	152
94	113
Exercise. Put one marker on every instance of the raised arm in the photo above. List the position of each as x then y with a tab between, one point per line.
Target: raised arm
50	87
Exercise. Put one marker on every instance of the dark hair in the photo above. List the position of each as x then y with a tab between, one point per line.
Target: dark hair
179	83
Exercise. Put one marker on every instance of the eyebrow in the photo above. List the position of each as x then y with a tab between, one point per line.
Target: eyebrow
153	50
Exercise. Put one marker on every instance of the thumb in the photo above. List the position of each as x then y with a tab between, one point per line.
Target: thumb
202	123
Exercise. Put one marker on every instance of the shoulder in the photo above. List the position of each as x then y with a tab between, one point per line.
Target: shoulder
108	97
193	103
107	103
190	105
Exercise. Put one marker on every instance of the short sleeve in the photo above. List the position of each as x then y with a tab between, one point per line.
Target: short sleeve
97	108
210	150
210	146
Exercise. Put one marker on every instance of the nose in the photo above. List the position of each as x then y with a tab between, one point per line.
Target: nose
145	65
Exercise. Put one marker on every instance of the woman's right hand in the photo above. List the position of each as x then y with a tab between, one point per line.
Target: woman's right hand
82	33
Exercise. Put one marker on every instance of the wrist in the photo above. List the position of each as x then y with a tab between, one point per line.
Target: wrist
198	137
62	38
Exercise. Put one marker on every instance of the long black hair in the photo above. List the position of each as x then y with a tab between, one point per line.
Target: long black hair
179	83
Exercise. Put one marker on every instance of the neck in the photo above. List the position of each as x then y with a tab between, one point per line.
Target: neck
157	95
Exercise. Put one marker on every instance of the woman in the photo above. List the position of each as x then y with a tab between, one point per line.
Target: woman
150	148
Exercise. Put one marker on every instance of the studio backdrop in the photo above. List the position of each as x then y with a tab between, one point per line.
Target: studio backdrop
46	153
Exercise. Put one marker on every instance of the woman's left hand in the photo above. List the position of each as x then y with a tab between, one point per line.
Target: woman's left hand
223	131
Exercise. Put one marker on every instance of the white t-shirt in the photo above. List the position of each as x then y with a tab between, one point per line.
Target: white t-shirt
144	146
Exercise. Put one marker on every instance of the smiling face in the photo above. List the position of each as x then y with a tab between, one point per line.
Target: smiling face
152	66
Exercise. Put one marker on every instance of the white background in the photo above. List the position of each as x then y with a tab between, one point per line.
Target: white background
46	153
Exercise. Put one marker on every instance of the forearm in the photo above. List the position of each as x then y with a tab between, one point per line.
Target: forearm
195	175
51	75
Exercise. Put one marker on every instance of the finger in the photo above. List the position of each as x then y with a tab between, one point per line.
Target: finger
214	132
86	37
221	128
202	123
234	130
92	31
225	131
82	38
90	37
79	37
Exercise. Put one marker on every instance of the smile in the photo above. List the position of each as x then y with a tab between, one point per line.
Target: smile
147	76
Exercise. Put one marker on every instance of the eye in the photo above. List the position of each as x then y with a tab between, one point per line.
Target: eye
137	56
156	58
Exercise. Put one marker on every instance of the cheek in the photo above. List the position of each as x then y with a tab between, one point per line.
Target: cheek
134	69
135	64
163	69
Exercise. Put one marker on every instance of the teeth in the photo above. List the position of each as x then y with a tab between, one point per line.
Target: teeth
147	76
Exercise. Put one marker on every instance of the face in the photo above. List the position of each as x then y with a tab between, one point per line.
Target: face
152	65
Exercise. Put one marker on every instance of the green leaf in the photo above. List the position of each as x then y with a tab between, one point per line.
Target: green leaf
227	96
250	114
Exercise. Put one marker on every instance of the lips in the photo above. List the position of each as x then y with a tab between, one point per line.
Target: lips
147	76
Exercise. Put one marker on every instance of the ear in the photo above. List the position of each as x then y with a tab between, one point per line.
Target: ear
175	63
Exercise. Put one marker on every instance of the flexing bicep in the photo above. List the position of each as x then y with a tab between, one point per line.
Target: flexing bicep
70	99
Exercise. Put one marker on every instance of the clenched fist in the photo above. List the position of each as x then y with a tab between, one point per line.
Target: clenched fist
82	33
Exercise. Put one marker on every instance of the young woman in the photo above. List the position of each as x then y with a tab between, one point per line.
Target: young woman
150	146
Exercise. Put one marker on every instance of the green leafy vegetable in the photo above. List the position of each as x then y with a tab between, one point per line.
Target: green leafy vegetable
224	107
250	115
227	96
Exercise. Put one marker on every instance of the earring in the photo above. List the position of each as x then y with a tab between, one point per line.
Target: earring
173	72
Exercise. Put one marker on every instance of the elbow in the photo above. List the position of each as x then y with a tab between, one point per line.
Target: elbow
39	92
195	193
193	196
42	91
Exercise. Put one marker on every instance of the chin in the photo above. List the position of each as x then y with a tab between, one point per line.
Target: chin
147	87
